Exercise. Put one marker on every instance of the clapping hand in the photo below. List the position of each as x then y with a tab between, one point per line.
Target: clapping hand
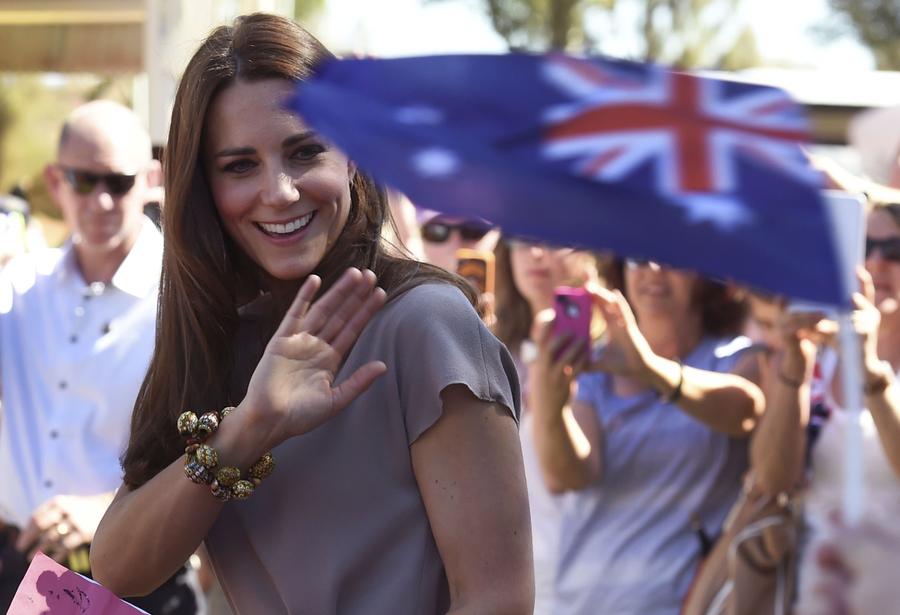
62	524
293	388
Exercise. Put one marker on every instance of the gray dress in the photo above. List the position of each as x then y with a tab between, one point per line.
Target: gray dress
340	527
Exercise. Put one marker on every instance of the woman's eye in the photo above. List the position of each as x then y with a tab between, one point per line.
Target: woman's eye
238	166
308	151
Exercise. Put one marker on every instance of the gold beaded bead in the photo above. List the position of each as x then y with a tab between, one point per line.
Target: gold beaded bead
263	466
228	476
187	423
220	491
207	424
242	490
195	471
207	455
225	412
191	448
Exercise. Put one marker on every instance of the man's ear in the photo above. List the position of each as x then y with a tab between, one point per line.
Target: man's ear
53	179
154	178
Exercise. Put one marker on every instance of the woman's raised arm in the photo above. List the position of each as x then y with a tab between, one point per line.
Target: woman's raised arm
149	532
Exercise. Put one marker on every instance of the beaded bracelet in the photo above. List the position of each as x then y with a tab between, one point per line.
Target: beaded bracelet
675	395
201	464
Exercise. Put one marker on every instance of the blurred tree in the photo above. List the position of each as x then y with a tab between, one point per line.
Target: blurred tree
875	23
306	9
685	33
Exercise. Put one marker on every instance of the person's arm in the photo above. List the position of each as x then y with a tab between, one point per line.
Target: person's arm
567	432
777	448
149	532
884	405
882	396
469	470
726	402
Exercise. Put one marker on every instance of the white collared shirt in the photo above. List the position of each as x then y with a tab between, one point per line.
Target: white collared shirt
72	358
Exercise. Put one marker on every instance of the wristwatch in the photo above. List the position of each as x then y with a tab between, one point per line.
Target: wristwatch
882	379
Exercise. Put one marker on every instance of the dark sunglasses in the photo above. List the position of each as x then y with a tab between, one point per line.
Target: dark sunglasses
84	182
439	232
889	248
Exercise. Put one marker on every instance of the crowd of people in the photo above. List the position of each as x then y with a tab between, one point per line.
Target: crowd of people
290	385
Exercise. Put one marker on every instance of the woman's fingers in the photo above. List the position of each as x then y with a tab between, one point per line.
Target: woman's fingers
573	352
866	285
543	324
348	334
292	322
336	320
329	303
557	345
355	384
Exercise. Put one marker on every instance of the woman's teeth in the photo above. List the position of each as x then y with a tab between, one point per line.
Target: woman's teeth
288	228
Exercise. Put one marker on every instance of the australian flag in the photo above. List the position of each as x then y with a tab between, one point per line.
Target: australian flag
636	159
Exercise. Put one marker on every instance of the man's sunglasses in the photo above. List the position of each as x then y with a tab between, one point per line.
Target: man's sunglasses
889	248
84	182
439	232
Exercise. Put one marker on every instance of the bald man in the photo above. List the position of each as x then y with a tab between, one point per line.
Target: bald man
76	334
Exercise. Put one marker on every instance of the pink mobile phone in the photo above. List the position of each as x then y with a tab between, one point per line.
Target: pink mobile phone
573	308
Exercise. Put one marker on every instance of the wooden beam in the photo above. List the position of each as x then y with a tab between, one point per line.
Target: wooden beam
45	12
103	48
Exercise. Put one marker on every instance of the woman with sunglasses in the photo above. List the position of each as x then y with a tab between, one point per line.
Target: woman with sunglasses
443	235
652	444
799	442
397	482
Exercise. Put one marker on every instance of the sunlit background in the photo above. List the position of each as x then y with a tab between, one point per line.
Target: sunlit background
838	57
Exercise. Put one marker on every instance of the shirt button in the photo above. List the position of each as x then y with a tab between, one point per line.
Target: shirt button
63	384
48	484
73	339
54	434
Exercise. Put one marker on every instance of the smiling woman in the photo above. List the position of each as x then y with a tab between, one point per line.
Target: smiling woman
406	411
283	200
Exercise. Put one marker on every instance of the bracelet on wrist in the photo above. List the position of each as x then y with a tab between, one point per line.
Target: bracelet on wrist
791	382
675	395
201	463
883	379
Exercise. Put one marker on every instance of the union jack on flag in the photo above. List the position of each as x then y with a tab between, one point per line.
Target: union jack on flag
690	126
695	172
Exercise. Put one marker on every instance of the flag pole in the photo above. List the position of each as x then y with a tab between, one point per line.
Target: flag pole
851	374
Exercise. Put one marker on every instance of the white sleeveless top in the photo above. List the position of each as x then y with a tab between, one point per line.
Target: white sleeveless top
824	491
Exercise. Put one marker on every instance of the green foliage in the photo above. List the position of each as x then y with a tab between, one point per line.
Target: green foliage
686	33
875	23
306	9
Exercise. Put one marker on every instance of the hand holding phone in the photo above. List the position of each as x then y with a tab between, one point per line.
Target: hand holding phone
574	308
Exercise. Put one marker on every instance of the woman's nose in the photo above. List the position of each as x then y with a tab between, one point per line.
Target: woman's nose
280	190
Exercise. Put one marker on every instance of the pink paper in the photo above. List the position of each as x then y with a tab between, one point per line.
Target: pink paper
51	589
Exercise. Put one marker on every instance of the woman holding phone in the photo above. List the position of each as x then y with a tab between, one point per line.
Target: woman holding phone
527	274
653	443
398	484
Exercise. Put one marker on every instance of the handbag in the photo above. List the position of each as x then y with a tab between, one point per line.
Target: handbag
752	568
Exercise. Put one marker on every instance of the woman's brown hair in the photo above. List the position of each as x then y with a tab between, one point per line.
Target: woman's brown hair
205	277
723	310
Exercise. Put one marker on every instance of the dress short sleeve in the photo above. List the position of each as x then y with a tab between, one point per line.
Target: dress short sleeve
440	341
